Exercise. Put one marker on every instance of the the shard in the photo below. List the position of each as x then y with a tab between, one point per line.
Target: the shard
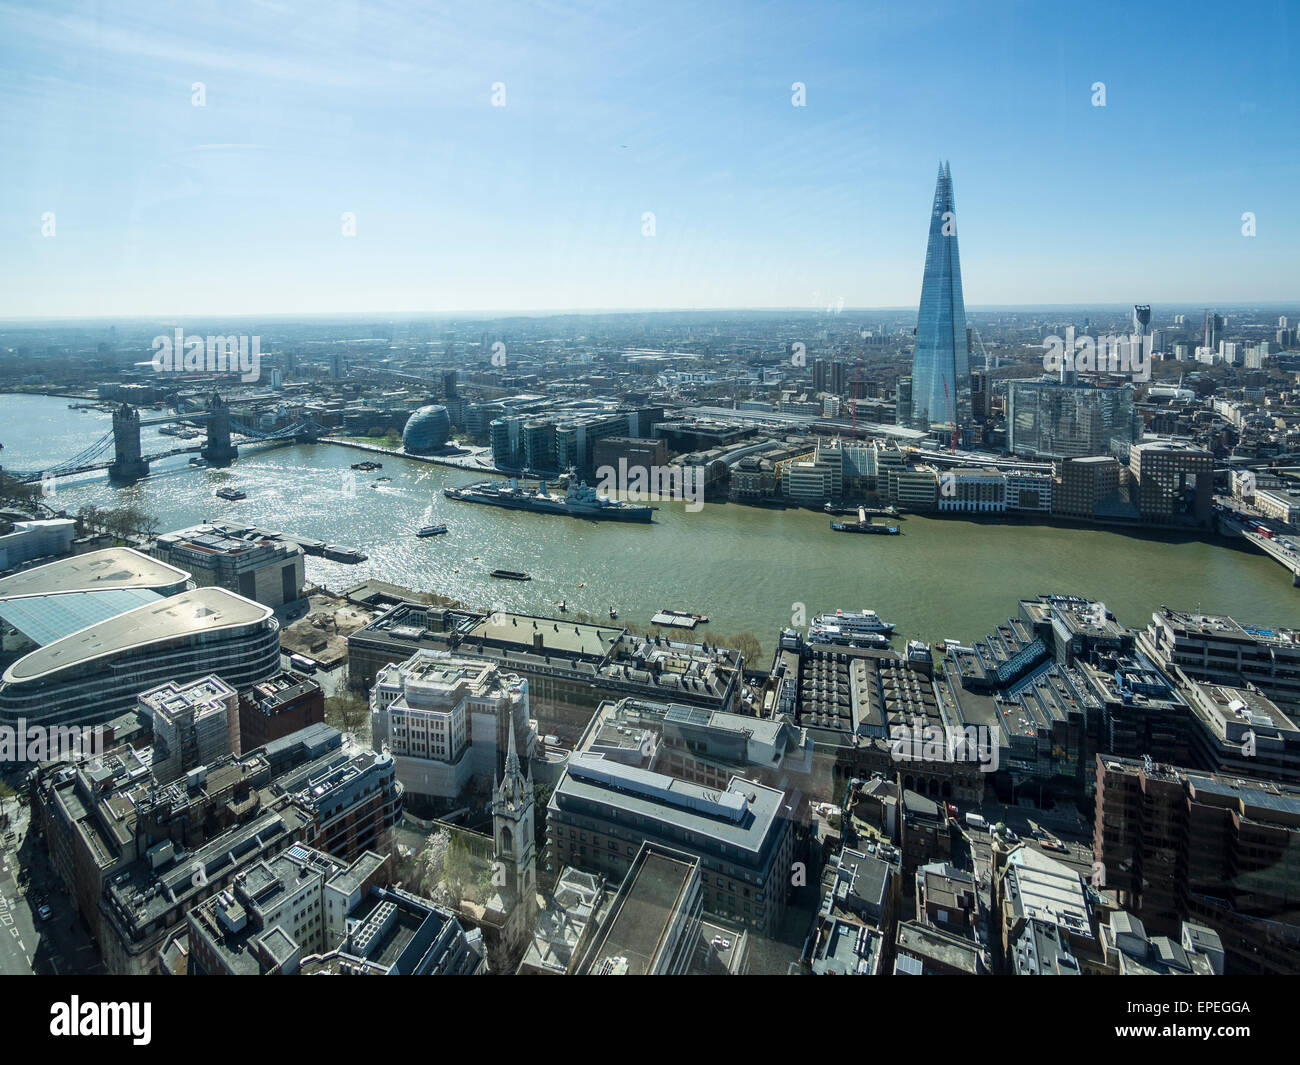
941	362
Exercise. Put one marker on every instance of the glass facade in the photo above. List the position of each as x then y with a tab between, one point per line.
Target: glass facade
428	429
1055	421
941	363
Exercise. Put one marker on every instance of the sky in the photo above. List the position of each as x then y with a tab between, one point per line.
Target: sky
120	197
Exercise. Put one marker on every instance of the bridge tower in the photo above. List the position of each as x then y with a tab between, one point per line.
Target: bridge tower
128	464
219	450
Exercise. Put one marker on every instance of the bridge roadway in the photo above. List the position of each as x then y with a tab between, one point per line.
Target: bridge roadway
244	444
1282	547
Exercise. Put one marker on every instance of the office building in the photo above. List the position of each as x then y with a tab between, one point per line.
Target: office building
602	811
941	389
1049	420
1217	649
447	721
1175	482
305	912
83	657
1084	487
193	724
277	707
652	927
427	430
241	560
29	540
570	667
1220	851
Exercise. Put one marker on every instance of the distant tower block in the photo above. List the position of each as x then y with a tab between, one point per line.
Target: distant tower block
219	450
1141	319
128	464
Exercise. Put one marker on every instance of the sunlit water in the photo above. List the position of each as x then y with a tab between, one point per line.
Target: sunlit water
749	569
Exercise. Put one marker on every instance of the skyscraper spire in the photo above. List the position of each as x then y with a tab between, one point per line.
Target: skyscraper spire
941	360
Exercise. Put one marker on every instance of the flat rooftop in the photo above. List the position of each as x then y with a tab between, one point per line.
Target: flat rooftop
113	567
197	611
643	917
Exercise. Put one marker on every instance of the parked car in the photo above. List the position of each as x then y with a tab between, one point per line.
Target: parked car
44	912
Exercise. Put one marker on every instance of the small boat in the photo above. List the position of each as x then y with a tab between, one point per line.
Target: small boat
231	493
564	606
612	613
864	527
510	575
367	465
702	619
432	530
199	460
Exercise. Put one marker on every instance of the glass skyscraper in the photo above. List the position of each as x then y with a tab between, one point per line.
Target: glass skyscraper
941	362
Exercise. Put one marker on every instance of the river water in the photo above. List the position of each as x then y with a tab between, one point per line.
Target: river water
749	569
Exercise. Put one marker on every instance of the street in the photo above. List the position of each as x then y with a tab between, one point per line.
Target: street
27	944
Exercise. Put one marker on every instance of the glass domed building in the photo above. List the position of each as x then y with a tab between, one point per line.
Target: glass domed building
428	429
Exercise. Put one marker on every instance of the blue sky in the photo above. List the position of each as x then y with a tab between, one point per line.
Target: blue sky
385	110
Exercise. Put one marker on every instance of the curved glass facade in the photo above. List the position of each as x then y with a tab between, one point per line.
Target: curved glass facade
428	429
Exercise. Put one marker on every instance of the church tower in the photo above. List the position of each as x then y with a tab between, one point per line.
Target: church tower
511	913
514	850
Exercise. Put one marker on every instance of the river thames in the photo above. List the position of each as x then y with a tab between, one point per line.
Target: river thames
749	569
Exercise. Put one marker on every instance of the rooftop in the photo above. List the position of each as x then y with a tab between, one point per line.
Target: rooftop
111	568
201	610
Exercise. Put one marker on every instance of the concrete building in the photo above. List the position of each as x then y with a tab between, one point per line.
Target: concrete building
194	724
1175	482
1047	917
1080	486
447	721
1282	504
268	571
305	912
652	926
29	540
601	811
1217	649
570	667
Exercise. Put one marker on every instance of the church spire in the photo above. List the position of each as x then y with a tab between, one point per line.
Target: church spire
512	758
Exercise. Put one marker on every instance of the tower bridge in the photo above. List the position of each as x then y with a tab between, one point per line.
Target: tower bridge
119	452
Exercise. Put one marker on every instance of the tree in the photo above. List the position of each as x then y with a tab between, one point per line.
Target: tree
12	489
747	644
347	711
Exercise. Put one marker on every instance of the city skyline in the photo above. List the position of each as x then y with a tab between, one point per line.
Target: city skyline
783	167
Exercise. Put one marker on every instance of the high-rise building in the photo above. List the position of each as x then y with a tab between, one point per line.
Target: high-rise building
1213	330
903	406
941	361
1141	318
1057	421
